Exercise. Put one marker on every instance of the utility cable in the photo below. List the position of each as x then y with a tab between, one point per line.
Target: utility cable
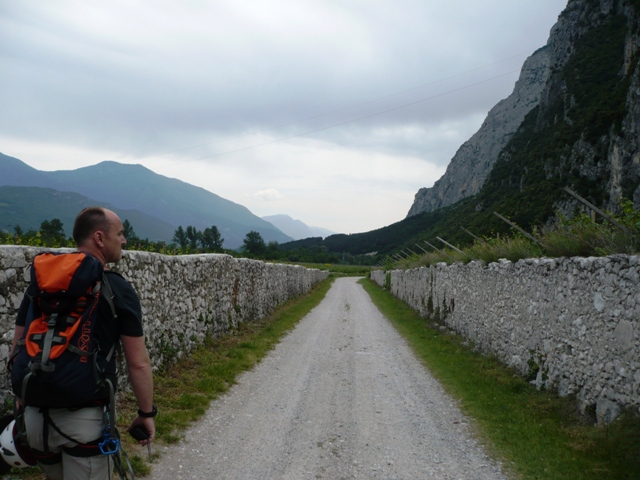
366	102
364	117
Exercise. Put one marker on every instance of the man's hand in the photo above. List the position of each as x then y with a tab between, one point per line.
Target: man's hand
148	425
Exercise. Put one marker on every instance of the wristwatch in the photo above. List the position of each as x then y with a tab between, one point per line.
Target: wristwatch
151	414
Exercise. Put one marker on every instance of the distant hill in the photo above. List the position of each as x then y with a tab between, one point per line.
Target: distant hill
381	241
28	207
134	187
296	229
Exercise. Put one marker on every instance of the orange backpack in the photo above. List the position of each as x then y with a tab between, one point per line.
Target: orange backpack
56	363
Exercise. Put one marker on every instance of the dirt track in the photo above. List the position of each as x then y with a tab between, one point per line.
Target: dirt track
341	397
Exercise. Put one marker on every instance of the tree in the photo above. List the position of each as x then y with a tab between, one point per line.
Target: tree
129	233
52	228
180	237
52	232
254	243
212	240
273	250
193	236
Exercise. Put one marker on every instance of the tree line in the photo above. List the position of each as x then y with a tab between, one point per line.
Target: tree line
50	234
185	240
188	240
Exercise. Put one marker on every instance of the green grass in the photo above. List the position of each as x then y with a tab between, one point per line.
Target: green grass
535	433
577	237
184	391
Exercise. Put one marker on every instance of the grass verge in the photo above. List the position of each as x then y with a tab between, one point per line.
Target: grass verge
184	391
536	434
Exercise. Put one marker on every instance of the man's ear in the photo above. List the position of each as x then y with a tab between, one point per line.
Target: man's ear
98	238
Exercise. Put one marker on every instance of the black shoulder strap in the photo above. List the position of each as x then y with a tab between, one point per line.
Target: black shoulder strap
107	292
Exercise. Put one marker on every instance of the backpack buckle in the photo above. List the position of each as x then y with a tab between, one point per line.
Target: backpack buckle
52	320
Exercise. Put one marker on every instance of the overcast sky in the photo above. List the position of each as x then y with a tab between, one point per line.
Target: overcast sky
332	112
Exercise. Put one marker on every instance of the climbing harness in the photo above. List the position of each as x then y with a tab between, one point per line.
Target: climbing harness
108	444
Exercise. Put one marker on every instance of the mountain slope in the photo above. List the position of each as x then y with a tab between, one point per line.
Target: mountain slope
28	207
584	133
473	161
134	187
169	199
17	173
296	229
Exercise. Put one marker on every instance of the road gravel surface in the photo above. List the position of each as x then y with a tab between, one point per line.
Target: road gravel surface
341	397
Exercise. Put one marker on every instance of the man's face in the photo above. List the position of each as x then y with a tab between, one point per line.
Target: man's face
113	238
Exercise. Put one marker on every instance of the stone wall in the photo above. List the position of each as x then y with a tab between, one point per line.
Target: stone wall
573	323
184	298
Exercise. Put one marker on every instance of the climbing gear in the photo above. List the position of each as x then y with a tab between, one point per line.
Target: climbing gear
108	444
140	433
13	446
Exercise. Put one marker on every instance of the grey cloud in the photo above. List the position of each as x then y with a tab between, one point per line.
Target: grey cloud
205	78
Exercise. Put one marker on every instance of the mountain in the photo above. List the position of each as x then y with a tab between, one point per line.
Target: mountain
470	166
572	120
134	187
16	173
296	229
28	207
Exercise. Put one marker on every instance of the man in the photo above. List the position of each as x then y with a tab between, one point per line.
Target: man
98	232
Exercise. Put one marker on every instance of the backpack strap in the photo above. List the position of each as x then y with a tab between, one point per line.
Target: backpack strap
107	293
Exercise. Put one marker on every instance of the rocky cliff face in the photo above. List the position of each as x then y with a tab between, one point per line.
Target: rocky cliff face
473	161
583	93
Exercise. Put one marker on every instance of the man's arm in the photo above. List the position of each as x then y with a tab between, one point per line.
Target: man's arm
141	377
21	320
17	335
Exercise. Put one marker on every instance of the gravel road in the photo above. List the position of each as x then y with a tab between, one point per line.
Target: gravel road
341	397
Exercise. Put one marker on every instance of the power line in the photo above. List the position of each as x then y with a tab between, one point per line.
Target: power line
366	102
364	117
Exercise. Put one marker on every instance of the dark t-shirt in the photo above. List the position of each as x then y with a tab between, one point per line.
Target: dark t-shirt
108	330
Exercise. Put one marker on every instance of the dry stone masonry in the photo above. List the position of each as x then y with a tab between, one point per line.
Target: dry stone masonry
573	324
184	298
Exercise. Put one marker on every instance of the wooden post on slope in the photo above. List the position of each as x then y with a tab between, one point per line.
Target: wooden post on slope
474	236
435	248
421	248
597	210
526	234
449	245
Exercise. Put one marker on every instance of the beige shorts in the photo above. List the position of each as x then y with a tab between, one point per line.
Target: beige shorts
84	425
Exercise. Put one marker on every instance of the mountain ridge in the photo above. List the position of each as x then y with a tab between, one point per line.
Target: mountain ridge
583	133
296	229
470	166
28	207
588	104
135	187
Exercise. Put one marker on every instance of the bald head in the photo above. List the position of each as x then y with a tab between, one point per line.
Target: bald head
88	221
99	232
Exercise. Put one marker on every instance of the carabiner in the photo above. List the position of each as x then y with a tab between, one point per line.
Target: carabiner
109	445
